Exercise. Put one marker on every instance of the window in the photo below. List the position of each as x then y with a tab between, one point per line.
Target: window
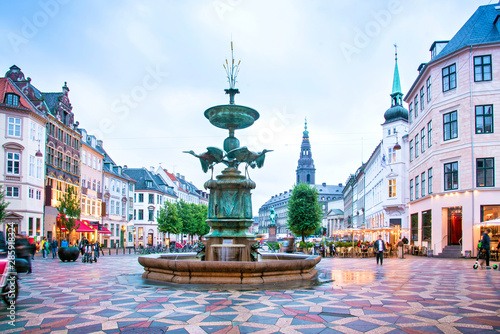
411	190
13	161
392	188
450	125
411	150
416	146
485	172
30	226
141	198
12	192
117	209
33	131
98	186
50	156
84	157
11	99
39	168
112	207
422	180
414	227
392	155
14	127
484	119
93	185
482	68
59	159
67	166
32	166
89	160
417	185
149	184
415	102
422	139
38	195
135	214
411	112
429	181
429	134
123	209
449	77
112	229
422	98
451	176
83	181
151	214
427	226
141	214
75	167
429	89
31	193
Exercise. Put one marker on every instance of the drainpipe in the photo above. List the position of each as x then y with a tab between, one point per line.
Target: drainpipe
472	122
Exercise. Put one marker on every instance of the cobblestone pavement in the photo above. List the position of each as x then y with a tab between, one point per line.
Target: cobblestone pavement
413	295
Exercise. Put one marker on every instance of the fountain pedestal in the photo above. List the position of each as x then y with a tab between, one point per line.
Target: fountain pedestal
230	217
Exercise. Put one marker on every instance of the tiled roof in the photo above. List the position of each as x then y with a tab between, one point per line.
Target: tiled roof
7	86
141	175
479	29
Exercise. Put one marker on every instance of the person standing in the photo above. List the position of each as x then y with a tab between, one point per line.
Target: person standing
54	248
379	249
485	246
64	243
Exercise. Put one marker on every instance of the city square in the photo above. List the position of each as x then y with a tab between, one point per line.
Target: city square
411	295
388	222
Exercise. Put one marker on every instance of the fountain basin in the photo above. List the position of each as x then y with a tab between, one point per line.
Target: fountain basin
231	116
187	269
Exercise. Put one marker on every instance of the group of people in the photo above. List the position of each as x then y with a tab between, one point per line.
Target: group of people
90	251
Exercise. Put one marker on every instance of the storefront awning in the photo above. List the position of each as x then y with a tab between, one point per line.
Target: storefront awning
81	227
104	231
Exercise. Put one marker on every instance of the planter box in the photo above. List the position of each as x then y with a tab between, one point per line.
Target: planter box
68	253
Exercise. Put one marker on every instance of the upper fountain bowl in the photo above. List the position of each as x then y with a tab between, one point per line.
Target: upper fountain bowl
231	116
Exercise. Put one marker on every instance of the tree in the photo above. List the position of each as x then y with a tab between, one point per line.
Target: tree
69	209
304	211
3	205
168	219
201	214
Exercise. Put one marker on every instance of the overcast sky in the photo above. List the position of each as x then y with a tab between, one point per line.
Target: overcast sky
141	74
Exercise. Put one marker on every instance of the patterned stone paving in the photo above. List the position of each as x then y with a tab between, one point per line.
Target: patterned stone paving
414	295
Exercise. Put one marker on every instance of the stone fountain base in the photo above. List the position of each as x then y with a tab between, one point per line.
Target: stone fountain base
272	268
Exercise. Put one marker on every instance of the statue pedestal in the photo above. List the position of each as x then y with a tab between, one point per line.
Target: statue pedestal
272	234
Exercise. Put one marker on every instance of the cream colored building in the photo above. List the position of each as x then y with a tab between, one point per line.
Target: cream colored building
454	140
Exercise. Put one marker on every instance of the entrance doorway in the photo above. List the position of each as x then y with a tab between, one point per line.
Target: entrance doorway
454	225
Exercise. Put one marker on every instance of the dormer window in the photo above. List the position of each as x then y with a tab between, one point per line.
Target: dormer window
12	99
149	184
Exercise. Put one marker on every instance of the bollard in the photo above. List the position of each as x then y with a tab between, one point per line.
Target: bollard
116	251
123	251
129	251
109	251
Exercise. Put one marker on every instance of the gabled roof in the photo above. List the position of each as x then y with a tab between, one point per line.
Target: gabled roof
479	29
141	175
8	86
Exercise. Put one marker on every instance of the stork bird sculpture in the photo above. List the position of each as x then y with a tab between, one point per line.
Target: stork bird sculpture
252	159
208	159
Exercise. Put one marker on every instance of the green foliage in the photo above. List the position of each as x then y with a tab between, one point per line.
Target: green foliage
304	211
3	205
168	219
306	245
192	217
273	246
69	209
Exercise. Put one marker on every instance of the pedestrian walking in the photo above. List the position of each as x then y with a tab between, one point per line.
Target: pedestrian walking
64	243
401	249
379	249
23	250
54	248
486	247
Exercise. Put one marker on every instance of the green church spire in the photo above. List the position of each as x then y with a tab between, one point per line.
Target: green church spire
396	94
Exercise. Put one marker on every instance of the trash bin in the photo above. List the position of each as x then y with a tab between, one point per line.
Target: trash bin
468	254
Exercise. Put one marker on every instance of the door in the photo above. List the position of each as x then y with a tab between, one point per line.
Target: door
454	226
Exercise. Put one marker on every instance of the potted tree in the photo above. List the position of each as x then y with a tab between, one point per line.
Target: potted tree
69	212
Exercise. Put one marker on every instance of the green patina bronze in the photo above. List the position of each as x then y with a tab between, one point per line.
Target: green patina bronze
230	203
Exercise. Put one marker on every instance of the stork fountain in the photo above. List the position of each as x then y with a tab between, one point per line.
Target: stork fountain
229	253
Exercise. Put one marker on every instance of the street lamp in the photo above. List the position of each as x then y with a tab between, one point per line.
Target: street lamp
396	147
38	154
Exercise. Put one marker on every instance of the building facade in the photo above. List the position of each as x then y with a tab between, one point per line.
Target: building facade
92	157
151	192
454	141
376	197
118	203
22	113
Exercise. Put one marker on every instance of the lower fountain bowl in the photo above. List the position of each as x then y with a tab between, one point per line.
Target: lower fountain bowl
272	268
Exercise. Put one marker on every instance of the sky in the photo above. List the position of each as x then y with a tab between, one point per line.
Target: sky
142	73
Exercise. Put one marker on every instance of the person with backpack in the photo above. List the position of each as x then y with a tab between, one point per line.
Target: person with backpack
486	247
